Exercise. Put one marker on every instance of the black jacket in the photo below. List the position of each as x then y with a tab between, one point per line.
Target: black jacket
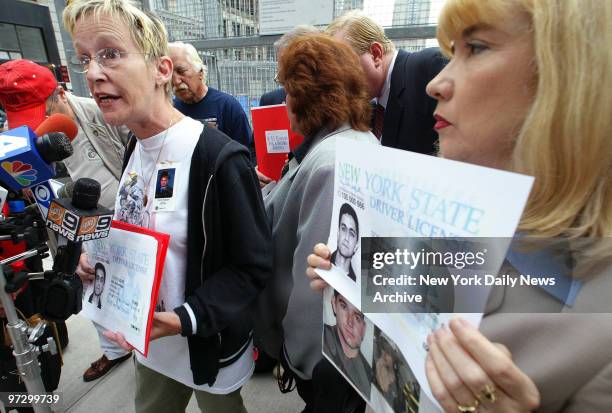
229	255
409	114
275	97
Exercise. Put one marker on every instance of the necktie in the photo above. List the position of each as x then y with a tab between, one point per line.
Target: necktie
379	121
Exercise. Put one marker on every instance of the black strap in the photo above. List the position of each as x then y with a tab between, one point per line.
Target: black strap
128	150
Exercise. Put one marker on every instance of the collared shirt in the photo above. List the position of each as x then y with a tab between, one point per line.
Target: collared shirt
384	96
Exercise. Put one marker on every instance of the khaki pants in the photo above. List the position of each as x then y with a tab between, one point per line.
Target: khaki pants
158	393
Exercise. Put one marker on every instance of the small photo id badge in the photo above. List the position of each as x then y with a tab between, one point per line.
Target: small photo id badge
165	178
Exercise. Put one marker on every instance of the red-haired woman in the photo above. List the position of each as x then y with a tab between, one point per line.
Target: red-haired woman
327	98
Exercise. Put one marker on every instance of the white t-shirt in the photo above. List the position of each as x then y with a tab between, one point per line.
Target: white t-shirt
172	154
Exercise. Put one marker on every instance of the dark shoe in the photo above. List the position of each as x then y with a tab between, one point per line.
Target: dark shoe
264	363
102	366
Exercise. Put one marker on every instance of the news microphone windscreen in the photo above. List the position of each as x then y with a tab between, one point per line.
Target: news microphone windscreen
58	122
86	193
53	147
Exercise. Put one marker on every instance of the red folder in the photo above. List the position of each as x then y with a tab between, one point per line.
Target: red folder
162	247
273	138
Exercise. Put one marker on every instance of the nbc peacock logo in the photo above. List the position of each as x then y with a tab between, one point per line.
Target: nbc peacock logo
21	172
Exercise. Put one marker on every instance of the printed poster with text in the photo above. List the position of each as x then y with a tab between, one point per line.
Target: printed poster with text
385	198
128	266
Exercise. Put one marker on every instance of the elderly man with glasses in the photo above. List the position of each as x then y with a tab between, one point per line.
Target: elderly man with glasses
194	98
98	147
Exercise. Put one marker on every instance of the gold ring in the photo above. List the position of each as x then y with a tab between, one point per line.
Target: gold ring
468	409
489	393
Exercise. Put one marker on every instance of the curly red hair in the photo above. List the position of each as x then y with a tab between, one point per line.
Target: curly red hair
326	83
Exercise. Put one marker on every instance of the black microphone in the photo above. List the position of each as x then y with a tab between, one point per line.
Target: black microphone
75	220
53	147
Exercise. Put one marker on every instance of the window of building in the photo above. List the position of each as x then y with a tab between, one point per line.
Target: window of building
22	42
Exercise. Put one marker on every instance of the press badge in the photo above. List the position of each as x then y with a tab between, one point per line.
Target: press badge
166	175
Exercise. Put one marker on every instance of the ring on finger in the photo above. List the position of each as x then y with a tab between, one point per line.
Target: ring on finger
473	408
488	393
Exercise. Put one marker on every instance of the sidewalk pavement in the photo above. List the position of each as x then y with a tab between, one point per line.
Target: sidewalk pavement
114	392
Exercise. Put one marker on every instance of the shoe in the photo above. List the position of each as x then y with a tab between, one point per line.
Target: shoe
264	363
102	366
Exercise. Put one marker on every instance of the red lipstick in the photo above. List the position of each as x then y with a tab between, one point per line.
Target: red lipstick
441	123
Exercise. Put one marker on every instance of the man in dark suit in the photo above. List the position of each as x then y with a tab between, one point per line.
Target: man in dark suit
275	97
403	117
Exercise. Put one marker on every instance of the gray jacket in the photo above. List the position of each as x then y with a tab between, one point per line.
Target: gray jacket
109	141
300	209
97	144
566	351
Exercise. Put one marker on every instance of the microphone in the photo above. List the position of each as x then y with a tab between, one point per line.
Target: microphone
67	190
76	220
80	219
45	192
26	160
58	122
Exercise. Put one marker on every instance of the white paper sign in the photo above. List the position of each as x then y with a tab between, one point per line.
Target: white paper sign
280	16
120	297
383	192
277	141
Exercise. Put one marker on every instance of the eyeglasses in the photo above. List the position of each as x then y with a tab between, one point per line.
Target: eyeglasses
107	58
278	82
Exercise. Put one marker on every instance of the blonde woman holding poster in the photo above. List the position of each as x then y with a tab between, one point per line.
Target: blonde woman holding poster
528	89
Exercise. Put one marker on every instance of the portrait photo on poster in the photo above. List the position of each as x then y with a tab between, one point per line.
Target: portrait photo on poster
95	298
395	388
165	183
344	242
348	340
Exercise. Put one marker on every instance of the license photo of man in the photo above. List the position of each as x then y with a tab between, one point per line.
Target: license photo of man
100	279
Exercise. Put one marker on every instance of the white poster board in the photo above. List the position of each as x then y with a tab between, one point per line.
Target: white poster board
383	192
280	16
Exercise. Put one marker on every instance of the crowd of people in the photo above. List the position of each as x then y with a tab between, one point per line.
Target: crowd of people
517	85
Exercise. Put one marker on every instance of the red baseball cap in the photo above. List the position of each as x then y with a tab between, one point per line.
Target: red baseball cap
24	89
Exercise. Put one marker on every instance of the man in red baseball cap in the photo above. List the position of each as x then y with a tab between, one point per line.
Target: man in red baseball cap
24	89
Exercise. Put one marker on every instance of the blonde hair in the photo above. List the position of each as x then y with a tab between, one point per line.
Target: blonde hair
360	31
147	30
192	56
566	139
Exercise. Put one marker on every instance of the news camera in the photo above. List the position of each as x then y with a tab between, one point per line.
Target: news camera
26	166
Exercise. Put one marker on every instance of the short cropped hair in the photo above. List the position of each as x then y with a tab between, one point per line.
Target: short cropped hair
347	209
360	31
192	56
565	141
326	84
147	30
99	266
